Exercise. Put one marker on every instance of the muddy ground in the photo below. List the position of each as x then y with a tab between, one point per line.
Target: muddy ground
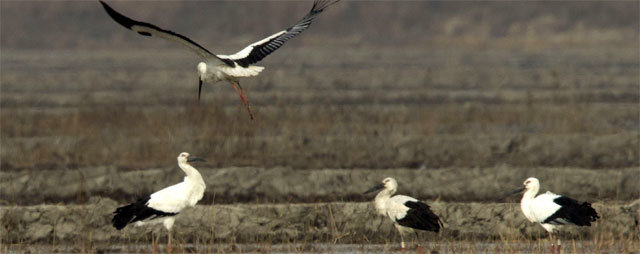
336	222
256	220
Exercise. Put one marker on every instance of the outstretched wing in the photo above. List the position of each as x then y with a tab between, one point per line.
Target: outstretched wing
147	29
259	50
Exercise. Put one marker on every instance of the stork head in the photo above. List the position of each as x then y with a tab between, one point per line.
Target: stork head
202	68
185	158
531	184
388	183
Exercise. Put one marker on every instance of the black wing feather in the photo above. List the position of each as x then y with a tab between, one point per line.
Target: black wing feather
129	23
261	51
572	212
421	217
137	211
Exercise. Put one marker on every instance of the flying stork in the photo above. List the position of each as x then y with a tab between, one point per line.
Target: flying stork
552	210
407	213
231	68
163	205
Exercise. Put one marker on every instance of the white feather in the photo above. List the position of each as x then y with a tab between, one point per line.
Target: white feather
240	71
396	209
174	198
542	207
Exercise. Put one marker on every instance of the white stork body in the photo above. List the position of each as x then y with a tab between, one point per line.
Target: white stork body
215	68
162	206
407	213
552	210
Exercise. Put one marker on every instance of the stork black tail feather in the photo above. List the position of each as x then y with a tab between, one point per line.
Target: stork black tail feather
421	217
573	212
123	216
588	214
133	212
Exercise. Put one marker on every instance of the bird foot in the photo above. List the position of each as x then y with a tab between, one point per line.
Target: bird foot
553	249
419	249
559	249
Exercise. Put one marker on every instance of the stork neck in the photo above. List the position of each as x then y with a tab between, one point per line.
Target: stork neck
381	200
384	194
530	193
525	203
527	198
192	173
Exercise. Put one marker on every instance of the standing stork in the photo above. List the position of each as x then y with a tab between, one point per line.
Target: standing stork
215	68
552	210
407	213
163	205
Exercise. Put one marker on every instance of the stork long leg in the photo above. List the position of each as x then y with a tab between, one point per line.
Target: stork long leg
400	231
242	96
402	242
559	251
155	239
169	248
419	246
553	249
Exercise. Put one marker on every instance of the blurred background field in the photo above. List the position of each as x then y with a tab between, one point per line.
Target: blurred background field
134	109
473	93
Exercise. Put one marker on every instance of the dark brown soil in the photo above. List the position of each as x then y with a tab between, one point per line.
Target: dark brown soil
286	223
